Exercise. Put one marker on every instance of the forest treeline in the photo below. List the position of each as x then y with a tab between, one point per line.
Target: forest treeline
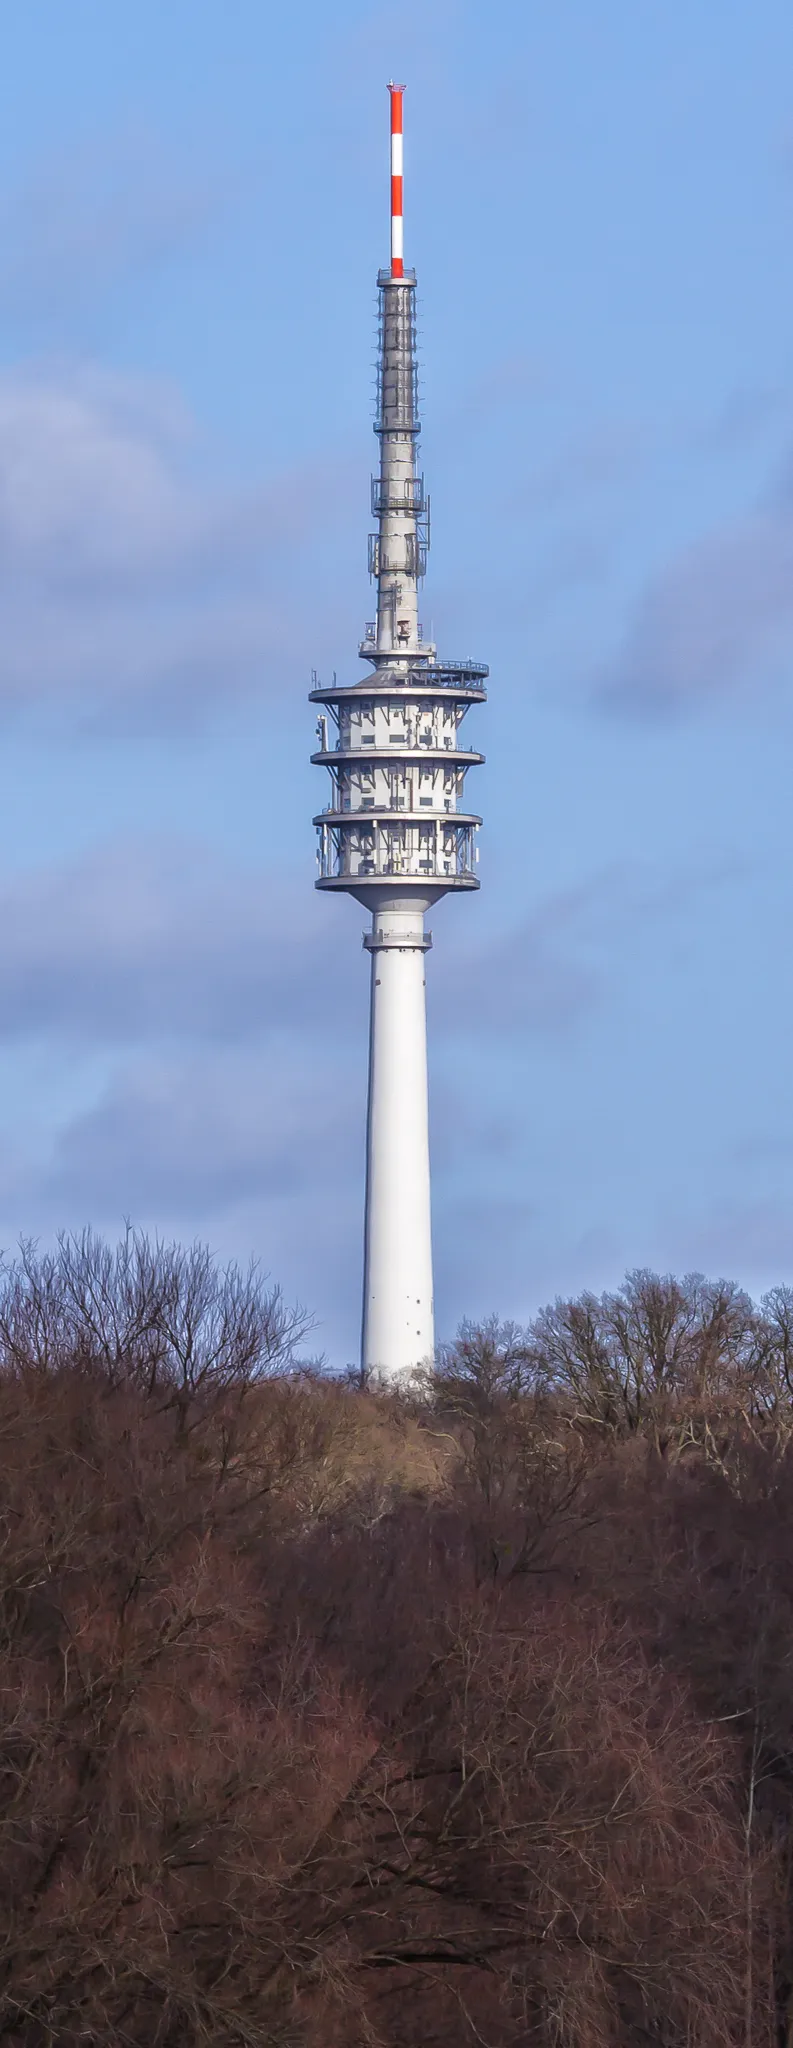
338	1718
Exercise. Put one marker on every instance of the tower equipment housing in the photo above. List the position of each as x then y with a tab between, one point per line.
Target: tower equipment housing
396	833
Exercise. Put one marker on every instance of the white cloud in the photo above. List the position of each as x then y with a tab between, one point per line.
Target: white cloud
90	481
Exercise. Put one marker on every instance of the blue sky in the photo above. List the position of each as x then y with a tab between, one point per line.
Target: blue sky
193	208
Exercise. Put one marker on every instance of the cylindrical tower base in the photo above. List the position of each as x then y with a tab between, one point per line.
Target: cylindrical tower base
398	1321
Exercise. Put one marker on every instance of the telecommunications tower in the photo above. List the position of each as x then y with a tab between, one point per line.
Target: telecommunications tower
396	834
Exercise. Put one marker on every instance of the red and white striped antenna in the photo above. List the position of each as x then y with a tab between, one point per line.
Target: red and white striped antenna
397	248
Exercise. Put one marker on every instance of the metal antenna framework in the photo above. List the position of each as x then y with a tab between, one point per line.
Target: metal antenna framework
396	834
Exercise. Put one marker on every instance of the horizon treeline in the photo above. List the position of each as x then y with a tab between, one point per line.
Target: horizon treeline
340	1717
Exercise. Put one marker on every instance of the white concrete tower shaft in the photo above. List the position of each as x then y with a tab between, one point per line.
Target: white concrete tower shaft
396	834
398	1314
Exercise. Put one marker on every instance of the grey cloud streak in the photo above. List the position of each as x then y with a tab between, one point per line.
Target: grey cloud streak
228	1013
203	995
144	941
531	978
716	621
219	1018
130	579
546	975
197	1134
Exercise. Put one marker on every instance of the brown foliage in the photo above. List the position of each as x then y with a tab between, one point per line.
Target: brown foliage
159	1771
544	1847
331	1717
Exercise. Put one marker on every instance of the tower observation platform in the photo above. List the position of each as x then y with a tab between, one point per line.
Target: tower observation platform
397	833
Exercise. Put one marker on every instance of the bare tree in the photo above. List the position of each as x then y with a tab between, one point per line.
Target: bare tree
342	1720
547	1850
162	1762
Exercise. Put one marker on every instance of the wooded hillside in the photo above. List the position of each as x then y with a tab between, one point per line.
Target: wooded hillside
331	1718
